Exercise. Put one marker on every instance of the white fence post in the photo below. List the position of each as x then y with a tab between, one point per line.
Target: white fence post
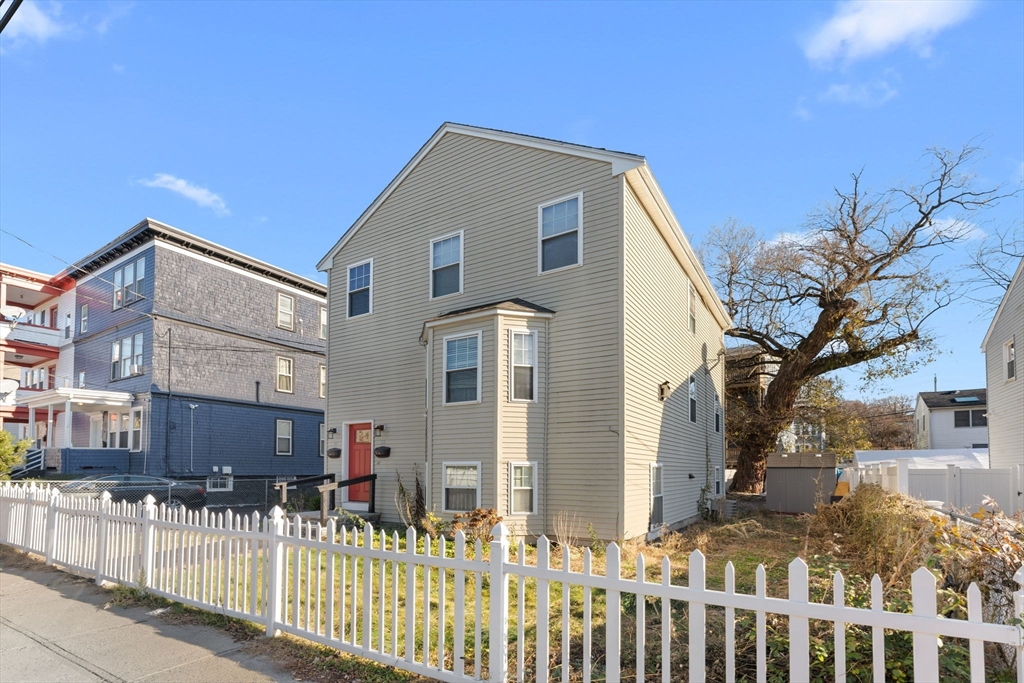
101	536
30	509
903	476
275	564
926	645
613	615
799	629
957	499
50	539
497	659
1018	612
148	559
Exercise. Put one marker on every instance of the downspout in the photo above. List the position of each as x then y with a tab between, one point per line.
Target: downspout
167	411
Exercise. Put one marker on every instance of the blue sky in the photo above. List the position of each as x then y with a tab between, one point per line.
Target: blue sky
269	127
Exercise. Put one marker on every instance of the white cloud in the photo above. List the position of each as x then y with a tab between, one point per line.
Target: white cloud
862	28
956	228
118	68
870	94
35	22
801	111
199	195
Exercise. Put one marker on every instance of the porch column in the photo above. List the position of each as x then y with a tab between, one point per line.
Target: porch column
32	425
67	423
49	426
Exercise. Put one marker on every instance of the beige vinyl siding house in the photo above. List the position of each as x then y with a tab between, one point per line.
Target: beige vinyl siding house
1002	349
585	340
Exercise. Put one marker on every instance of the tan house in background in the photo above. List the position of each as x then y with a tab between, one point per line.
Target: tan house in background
523	322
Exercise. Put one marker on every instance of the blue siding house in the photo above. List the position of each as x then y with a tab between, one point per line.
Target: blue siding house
188	356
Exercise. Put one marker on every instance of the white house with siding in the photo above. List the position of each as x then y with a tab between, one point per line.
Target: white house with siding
524	324
951	419
1005	385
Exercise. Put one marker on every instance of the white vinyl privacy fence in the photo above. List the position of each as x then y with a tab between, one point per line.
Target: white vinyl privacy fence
954	486
460	611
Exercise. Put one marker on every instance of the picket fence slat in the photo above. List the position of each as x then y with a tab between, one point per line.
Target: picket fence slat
236	565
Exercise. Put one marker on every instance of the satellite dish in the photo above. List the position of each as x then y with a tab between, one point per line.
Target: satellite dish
12	312
8	387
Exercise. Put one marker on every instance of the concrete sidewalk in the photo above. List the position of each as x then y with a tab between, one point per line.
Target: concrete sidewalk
56	627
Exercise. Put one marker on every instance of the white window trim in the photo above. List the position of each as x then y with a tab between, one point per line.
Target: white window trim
280	297
540	233
511	365
323	440
83	322
462	264
132	446
692	415
512	487
444	480
277	436
479	368
654	466
1006	359
322	381
277	374
325	319
691	308
348	272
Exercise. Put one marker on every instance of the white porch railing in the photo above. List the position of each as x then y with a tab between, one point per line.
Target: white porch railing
442	609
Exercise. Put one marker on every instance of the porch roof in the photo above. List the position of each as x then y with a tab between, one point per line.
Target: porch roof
82	400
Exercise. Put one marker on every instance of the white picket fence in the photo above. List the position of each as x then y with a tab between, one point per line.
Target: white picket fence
442	609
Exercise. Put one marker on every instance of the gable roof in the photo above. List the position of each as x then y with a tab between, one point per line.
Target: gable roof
1015	281
949	399
148	229
632	166
620	161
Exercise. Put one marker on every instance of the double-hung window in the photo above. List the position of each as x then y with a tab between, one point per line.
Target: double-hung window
461	486
461	369
283	438
285	374
323	381
561	235
323	322
693	398
718	414
523	484
524	366
446	265
67	326
657	497
128	283
83	321
126	357
118	289
1010	358
323	440
360	289
135	443
285	311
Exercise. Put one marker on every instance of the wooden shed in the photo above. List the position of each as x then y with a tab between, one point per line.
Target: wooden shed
796	482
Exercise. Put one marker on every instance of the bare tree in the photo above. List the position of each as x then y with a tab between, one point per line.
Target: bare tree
856	287
992	264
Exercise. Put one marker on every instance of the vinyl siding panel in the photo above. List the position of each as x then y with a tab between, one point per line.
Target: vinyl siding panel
1006	397
522	428
659	347
491	191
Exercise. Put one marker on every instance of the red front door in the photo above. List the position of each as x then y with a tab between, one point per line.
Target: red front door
360	444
